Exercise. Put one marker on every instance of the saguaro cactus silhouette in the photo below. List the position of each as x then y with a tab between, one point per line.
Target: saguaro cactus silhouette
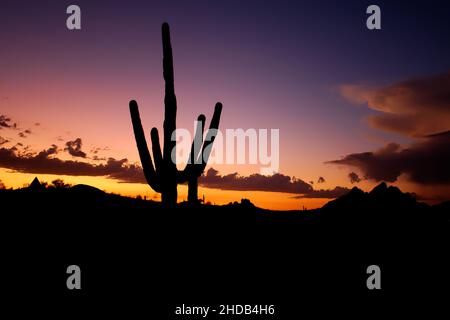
164	177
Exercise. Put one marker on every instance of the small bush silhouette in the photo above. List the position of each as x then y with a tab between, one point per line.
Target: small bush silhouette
60	184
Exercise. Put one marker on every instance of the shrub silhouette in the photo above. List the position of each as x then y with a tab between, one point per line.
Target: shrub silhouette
164	176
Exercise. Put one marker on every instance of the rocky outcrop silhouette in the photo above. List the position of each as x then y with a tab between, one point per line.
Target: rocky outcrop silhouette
35	185
383	206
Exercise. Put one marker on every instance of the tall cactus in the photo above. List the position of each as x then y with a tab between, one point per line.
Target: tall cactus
164	177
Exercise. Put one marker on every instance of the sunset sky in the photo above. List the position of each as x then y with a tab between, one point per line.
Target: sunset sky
345	99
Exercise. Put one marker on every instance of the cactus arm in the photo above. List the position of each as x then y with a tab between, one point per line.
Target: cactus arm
144	154
209	140
156	148
198	139
193	165
195	150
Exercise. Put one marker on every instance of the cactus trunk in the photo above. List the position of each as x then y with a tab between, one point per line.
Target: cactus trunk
169	183
169	196
193	190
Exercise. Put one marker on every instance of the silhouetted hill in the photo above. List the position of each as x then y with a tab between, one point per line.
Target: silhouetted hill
381	203
381	197
85	189
132	248
384	206
443	209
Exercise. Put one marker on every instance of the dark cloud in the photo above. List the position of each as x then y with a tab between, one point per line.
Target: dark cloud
321	180
325	194
44	163
354	178
255	182
124	172
74	148
95	153
275	183
3	141
96	150
24	134
97	158
5	122
415	107
2	185
52	150
425	162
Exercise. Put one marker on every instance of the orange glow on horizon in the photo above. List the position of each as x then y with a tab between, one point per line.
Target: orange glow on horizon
262	199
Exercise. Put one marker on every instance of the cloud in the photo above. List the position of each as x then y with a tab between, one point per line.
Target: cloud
44	163
255	182
74	148
321	180
124	172
415	107
24	134
96	150
275	183
5	122
97	158
424	162
52	150
354	178
326	194
3	140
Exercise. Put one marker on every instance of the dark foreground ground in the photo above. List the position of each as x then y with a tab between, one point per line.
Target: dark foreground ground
140	261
